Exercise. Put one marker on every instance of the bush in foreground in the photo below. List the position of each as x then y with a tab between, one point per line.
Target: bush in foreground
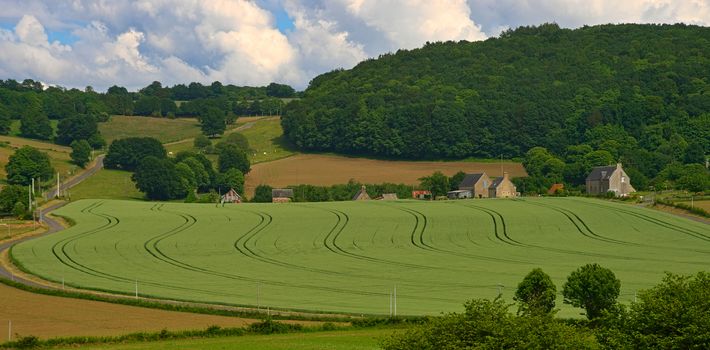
487	324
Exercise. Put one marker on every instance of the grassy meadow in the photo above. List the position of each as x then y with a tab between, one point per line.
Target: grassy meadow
107	184
59	155
163	129
350	256
265	137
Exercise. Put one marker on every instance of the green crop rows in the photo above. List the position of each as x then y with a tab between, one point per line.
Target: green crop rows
349	256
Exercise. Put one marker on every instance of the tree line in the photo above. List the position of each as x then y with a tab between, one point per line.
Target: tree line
589	96
36	104
185	176
672	315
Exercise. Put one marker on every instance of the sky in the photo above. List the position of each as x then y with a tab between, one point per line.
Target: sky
77	43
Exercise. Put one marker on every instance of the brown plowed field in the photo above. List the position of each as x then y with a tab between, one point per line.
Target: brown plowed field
330	170
48	316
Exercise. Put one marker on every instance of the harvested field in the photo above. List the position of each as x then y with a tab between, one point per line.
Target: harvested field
48	316
314	169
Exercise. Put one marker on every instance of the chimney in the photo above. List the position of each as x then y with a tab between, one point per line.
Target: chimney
505	175
618	165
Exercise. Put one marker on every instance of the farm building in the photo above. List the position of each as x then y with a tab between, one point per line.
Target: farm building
502	187
459	194
388	197
281	195
231	197
361	195
477	184
605	179
421	194
556	188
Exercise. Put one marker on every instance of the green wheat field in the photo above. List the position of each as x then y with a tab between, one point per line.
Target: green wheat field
348	257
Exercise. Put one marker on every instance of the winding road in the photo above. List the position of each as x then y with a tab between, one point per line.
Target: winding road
52	224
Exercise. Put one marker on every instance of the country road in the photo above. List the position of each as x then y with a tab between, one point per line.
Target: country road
53	225
98	164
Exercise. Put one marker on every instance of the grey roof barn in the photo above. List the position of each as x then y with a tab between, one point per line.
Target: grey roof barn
605	179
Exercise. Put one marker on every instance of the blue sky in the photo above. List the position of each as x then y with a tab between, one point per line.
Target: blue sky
75	43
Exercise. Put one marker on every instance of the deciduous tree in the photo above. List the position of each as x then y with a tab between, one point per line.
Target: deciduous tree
80	152
28	163
536	293
593	288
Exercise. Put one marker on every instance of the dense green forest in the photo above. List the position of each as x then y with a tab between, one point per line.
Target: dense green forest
30	100
635	93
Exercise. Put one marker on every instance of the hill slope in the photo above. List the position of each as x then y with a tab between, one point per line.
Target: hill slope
642	86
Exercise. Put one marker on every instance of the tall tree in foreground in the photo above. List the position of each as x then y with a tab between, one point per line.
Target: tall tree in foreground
536	293
593	288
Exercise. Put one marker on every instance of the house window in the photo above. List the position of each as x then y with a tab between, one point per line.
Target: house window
623	179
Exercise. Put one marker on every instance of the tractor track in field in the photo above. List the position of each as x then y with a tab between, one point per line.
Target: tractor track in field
330	242
183	265
613	240
579	224
417	239
577	252
243	249
665	224
113	221
501	236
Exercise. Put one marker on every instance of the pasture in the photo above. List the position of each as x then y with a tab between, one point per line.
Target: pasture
350	256
162	129
58	155
107	184
325	170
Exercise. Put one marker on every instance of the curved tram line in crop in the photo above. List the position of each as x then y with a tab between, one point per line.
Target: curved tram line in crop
348	257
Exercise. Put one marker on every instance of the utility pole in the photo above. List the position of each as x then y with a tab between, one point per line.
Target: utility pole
395	300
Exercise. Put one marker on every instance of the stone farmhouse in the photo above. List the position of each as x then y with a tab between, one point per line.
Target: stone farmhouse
502	187
605	179
476	183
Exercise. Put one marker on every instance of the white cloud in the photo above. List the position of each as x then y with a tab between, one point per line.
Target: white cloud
410	23
132	43
495	14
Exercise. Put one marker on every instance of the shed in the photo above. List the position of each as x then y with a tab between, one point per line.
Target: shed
281	195
231	197
459	194
421	194
389	197
555	188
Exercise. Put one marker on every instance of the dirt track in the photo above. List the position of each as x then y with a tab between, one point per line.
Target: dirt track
330	170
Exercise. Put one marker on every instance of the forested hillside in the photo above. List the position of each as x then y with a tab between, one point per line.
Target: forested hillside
639	92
